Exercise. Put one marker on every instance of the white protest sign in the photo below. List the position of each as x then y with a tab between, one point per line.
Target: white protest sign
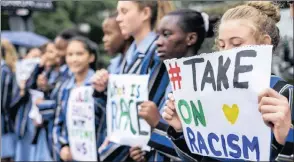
24	68
124	126
80	120
216	97
34	113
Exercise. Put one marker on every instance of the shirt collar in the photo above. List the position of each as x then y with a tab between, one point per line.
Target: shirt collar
2	62
87	80
143	46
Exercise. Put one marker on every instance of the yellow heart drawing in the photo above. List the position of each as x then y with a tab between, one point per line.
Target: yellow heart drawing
231	113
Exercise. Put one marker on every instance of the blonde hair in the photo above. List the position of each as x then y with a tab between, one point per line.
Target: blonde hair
263	14
10	54
158	8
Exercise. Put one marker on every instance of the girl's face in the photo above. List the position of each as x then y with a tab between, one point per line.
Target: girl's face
113	40
235	33
51	53
77	57
34	53
172	41
130	18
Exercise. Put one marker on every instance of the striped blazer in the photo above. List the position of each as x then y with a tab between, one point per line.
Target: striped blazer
141	60
6	98
60	134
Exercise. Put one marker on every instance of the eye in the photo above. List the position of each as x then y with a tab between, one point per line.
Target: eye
80	53
166	33
237	44
124	11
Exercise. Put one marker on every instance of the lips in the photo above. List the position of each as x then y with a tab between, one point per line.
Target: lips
106	47
161	52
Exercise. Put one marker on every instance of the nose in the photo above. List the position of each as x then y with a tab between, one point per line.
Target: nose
104	39
227	47
118	18
159	42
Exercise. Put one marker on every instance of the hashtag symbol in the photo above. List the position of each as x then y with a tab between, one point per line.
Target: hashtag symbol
175	75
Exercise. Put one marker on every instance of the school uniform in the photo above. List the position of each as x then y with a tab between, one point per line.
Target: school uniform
184	153
7	131
60	134
24	127
43	137
141	59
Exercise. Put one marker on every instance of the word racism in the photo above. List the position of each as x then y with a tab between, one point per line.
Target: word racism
207	144
122	107
221	77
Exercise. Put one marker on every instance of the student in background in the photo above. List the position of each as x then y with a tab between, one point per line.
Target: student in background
181	34
80	54
136	19
7	113
275	103
115	43
34	53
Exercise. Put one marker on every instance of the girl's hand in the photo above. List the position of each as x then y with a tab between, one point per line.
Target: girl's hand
275	111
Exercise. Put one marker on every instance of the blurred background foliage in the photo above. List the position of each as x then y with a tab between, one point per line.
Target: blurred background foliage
74	14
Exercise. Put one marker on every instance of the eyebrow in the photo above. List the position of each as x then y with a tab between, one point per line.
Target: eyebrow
230	38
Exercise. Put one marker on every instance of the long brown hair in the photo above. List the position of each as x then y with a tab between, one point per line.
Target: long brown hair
10	54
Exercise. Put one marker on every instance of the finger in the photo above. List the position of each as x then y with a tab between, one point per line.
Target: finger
135	152
168	111
134	148
137	157
269	101
269	109
171	105
166	116
269	118
143	114
269	92
145	103
171	96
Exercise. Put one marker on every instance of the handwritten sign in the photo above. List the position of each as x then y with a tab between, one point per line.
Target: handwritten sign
125	94
81	124
24	68
216	98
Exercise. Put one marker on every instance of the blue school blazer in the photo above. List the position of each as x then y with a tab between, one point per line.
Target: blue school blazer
7	113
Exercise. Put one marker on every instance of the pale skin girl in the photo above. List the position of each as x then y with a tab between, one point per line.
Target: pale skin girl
274	107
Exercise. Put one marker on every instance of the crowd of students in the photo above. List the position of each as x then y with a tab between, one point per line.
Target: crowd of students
139	36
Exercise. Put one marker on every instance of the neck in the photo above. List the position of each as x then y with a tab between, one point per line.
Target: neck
125	48
142	33
190	52
80	77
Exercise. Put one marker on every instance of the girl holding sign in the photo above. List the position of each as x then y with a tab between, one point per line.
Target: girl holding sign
235	30
177	38
137	19
77	109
